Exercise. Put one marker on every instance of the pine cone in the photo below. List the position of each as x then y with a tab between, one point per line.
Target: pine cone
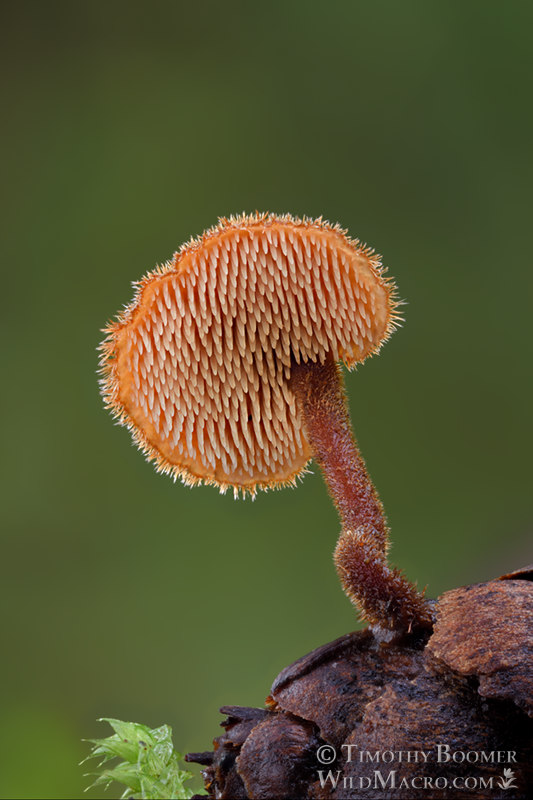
441	714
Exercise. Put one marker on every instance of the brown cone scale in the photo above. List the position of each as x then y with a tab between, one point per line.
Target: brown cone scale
198	365
465	687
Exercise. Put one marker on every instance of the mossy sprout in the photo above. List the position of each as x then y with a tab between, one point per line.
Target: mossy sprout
148	766
225	368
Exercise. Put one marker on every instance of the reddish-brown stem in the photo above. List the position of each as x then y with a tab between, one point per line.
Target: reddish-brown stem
320	391
383	595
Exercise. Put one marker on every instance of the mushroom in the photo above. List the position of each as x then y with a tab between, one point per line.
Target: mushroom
224	368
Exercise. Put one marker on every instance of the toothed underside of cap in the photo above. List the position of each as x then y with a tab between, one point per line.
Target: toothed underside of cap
198	366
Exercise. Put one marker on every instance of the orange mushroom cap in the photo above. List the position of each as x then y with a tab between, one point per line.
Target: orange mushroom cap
198	365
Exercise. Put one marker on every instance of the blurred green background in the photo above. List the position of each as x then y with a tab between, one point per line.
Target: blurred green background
127	128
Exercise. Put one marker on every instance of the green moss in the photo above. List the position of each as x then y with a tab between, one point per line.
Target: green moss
149	767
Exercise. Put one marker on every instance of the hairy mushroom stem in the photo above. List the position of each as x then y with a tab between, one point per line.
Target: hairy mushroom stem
384	597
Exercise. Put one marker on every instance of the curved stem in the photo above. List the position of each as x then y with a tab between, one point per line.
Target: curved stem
320	391
383	595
